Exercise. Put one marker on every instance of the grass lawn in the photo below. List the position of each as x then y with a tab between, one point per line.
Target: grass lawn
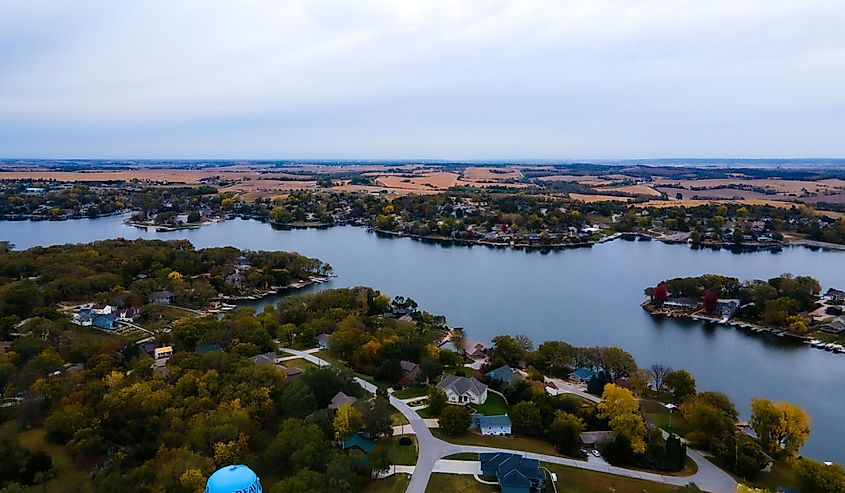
783	474
514	443
403	455
495	405
399	419
457	483
324	354
657	413
462	456
66	472
411	392
425	413
300	363
397	483
573	480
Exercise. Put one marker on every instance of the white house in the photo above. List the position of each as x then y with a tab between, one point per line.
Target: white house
163	352
463	390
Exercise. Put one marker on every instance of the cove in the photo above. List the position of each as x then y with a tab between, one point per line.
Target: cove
587	296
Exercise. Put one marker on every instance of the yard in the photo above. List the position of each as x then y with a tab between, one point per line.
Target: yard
573	480
66	472
403	455
495	405
397	483
300	363
457	483
410	392
513	442
657	413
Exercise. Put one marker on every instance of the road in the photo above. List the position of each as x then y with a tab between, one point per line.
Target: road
432	449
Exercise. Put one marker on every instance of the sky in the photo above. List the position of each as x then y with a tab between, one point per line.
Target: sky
407	79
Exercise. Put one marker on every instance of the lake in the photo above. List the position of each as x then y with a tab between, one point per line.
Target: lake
587	296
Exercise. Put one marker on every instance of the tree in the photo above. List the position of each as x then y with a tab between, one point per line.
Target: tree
780	426
658	376
660	294
525	418
619	407
379	419
437	400
616	361
640	379
346	422
304	481
379	459
816	477
565	432
682	384
455	420
710	301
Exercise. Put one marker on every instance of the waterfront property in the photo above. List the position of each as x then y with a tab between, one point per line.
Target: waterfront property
463	390
505	374
582	375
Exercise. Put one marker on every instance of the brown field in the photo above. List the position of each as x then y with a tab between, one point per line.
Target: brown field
632	189
598	198
189	176
721	193
485	184
439	180
582	179
250	190
495	174
836	198
780	186
697	202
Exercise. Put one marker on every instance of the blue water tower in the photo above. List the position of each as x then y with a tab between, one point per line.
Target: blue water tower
233	479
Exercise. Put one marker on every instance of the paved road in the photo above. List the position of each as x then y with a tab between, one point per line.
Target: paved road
432	450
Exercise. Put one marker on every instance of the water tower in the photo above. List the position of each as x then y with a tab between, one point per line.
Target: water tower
233	479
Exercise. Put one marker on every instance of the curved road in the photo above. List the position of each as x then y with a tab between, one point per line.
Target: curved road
431	449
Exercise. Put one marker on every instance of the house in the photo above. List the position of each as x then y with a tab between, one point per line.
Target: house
323	341
835	326
292	372
359	441
410	371
594	439
162	298
582	375
463	390
128	314
681	303
492	425
106	322
99	309
516	474
727	308
340	399
477	351
83	317
505	374
266	359
163	352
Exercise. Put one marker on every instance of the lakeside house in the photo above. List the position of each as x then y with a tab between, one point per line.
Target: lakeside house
463	390
681	303
340	399
162	298
411	372
477	351
515	473
582	375
835	295
505	374
491	425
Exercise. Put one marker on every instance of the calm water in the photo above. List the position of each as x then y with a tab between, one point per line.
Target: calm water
585	296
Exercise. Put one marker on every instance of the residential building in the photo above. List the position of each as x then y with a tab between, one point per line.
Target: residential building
410	371
340	399
582	375
594	439
163	352
266	359
463	390
323	341
162	298
516	474
492	425
505	374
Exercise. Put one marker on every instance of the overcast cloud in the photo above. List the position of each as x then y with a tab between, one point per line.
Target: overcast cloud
445	79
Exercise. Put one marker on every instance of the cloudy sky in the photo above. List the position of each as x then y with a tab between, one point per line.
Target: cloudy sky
452	79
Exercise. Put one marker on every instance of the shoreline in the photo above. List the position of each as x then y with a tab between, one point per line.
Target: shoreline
743	325
275	290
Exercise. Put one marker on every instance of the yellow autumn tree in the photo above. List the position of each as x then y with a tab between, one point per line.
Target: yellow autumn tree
619	407
174	276
780	426
346	422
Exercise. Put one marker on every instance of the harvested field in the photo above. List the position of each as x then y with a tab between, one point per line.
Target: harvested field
582	179
720	193
836	198
632	189
598	198
495	174
439	180
780	186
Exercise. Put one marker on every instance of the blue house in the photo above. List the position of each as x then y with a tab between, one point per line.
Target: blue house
582	375
515	473
505	374
492	425
107	322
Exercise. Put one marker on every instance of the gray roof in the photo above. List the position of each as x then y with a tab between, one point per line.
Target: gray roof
340	399
597	437
461	385
265	359
408	366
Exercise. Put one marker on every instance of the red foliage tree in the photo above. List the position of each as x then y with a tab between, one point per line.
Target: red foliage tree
660	293
710	302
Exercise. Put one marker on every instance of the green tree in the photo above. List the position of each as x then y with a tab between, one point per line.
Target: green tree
525	418
455	420
565	432
681	383
437	400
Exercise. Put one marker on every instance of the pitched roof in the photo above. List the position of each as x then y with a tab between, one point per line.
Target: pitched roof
360	441
340	399
493	421
512	469
584	373
265	359
408	366
461	385
504	373
597	437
